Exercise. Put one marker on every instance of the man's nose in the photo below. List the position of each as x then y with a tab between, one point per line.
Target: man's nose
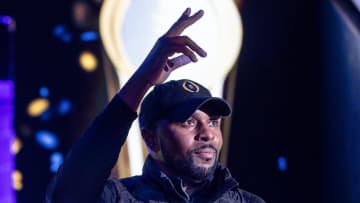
206	133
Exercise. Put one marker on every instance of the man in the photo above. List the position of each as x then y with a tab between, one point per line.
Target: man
180	123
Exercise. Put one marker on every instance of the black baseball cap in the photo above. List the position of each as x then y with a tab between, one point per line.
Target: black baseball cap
177	100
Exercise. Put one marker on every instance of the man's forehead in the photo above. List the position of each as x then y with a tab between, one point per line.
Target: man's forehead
204	114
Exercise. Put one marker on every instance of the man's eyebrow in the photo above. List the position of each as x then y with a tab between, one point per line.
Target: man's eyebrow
215	117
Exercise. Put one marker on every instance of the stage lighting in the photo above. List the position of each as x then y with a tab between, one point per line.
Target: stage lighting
56	160
47	139
44	92
16	146
64	107
88	61
37	107
282	163
89	36
17	180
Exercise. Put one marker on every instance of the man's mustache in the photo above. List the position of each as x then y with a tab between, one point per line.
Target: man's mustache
204	146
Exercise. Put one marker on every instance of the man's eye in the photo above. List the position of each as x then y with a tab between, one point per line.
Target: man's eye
189	122
214	123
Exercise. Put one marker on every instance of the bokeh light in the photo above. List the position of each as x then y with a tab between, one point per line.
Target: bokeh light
61	33
16	146
44	91
282	163
59	30
37	107
88	61
56	160
17	180
64	107
89	36
47	139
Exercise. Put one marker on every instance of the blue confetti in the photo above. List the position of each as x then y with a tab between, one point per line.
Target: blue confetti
64	107
56	159
44	92
59	30
89	36
46	139
282	163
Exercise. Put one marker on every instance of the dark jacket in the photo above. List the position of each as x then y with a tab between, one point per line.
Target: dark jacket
84	173
155	186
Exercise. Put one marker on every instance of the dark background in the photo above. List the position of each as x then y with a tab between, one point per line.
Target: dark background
297	96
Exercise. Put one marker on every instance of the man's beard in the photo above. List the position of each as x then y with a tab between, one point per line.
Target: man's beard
186	167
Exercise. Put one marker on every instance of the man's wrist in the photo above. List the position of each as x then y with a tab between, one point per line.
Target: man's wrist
134	90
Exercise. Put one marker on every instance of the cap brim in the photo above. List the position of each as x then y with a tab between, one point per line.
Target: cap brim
213	106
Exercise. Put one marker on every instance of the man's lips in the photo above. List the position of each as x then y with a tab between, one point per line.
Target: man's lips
206	153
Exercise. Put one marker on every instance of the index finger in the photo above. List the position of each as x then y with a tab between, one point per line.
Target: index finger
183	22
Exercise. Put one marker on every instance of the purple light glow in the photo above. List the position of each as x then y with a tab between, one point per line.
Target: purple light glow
5	20
7	135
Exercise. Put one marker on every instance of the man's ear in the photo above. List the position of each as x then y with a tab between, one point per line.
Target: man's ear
151	139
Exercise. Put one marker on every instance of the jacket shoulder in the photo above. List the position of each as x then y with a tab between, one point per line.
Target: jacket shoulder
249	197
119	189
132	189
126	184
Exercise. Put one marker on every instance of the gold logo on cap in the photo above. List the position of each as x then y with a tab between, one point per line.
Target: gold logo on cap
190	86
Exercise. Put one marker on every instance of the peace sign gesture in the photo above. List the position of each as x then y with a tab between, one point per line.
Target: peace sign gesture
157	66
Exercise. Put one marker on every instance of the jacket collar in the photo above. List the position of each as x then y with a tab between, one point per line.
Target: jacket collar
220	183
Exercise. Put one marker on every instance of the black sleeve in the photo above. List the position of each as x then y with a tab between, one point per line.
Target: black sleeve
109	193
86	168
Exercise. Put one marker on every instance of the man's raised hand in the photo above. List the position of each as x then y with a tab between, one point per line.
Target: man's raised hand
158	65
